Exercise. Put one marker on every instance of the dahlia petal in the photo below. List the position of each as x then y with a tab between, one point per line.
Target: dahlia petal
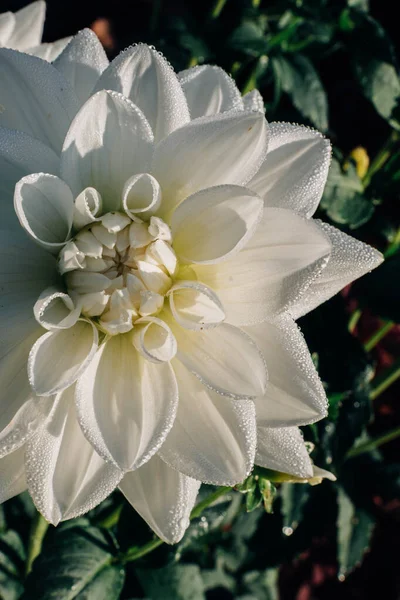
279	263
294	395
126	404
350	259
28	29
213	438
36	99
25	270
209	90
86	208
141	196
253	101
56	310
58	358
295	169
82	62
283	449
65	476
15	395
227	148
215	223
7	24
144	76
225	359
51	50
45	206
154	340
163	497
12	474
22	426
195	306
109	141
20	155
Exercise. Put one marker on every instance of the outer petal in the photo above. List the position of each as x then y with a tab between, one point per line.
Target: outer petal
195	306
279	263
225	359
295	395
82	62
283	449
126	404
143	75
295	169
12	475
20	155
163	497
7	24
108	141
25	270
36	99
45	206
58	358
215	223
225	148
209	90
28	27
350	259
213	438
65	476
51	50
253	101
22	426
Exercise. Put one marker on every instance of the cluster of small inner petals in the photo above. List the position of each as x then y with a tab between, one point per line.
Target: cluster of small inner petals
119	269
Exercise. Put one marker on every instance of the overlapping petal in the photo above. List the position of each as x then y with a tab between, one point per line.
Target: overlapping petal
294	395
349	260
36	99
213	438
28	26
126	404
295	169
51	50
283	449
209	90
227	148
12	474
109	141
278	264
162	496
65	476
144	76
82	62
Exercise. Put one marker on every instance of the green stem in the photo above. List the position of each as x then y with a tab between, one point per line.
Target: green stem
256	3
372	444
38	531
380	159
111	519
378	335
385	380
217	8
393	246
355	317
136	553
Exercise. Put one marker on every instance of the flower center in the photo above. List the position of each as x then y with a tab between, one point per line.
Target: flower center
119	270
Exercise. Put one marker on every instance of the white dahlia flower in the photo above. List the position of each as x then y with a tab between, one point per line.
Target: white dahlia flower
23	31
158	249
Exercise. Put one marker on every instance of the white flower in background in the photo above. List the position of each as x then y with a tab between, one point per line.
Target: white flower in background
23	31
160	249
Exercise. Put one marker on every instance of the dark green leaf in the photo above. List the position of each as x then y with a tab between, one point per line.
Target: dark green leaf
76	563
299	79
294	498
12	561
355	528
249	38
174	582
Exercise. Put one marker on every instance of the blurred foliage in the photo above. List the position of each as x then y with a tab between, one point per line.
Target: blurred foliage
331	65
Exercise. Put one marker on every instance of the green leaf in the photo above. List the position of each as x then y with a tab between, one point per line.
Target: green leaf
294	497
263	585
12	560
343	198
253	499
174	582
355	528
76	563
374	65
299	79
249	38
